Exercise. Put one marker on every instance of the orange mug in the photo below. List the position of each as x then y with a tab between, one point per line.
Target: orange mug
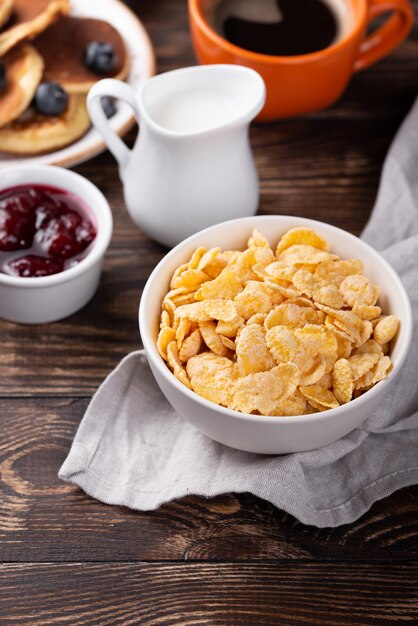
308	82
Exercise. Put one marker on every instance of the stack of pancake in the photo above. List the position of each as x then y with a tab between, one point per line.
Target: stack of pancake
40	42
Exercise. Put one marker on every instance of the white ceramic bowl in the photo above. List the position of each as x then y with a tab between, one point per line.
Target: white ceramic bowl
272	435
50	298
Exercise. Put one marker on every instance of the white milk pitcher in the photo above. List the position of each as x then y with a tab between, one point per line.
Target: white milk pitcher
191	166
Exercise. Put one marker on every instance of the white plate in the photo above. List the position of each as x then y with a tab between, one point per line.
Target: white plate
142	67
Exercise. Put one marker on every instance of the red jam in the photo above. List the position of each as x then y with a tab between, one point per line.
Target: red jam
43	231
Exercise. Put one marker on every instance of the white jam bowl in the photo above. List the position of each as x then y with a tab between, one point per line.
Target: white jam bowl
272	435
51	298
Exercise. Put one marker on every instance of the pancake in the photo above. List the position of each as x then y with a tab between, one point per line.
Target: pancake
6	8
63	45
29	19
24	68
33	133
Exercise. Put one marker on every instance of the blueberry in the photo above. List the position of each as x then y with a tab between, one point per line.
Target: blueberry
109	106
100	57
51	99
3	78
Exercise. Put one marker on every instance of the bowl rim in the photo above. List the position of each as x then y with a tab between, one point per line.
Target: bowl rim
77	185
153	354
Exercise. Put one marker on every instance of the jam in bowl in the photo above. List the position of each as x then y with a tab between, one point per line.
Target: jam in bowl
55	228
44	230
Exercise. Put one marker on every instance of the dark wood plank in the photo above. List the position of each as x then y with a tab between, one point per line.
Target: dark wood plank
306	169
213	595
72	356
44	519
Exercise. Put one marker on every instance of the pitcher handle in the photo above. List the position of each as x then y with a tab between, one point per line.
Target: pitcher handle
121	91
383	40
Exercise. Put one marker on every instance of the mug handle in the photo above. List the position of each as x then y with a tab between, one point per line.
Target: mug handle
383	40
121	91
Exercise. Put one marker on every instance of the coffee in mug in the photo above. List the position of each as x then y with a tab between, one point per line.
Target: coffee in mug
305	50
282	27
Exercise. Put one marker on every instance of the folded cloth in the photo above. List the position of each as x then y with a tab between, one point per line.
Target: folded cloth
132	448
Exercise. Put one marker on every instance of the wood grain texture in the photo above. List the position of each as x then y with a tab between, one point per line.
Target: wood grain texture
208	594
231	560
44	519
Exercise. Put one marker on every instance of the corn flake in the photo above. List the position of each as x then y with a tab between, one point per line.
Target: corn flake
207	259
223	310
293	315
212	377
316	372
190	346
230	329
177	273
193	312
251	349
370	346
182	330
196	258
264	391
386	329
284	346
190	279
228	343
206	310
367	312
302	301
358	291
343	381
165	320
300	254
318	289
360	364
291	406
319	398
257	240
176	365
242	265
213	262
254	299
165	336
169	307
305	236
258	318
336	331
212	339
344	346
376	374
187	298
285	289
279	271
318	340
336	271
326	381
225	286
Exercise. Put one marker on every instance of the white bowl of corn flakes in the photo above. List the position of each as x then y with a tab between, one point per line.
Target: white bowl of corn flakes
275	334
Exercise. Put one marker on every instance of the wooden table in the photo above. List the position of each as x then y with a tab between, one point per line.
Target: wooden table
67	559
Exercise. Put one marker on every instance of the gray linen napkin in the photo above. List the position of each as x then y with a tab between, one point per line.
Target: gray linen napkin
132	448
